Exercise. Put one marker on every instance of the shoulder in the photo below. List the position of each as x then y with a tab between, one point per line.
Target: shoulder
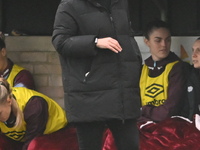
24	75
35	105
72	2
64	5
181	68
71	7
25	72
194	74
184	66
25	78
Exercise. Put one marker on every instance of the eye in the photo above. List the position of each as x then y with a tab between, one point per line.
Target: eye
196	51
169	40
157	40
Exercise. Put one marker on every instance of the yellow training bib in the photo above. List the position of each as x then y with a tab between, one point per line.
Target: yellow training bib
153	90
57	118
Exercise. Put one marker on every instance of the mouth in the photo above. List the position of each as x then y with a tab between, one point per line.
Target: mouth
163	50
194	61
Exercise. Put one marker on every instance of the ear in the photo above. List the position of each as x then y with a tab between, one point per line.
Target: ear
146	42
9	101
3	51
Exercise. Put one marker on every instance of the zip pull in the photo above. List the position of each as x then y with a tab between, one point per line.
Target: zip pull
84	80
111	18
87	74
154	64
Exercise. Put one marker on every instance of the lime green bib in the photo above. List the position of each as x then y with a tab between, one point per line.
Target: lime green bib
57	118
15	70
153	90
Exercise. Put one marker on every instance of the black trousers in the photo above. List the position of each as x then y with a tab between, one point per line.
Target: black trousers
126	134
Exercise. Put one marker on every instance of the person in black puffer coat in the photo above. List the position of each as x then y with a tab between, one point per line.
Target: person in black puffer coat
192	101
101	65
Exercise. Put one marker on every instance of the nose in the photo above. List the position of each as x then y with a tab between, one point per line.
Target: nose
163	43
194	54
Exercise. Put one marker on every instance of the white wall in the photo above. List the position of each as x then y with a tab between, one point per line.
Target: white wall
183	43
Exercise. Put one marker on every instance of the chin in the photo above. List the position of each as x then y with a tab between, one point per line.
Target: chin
197	66
163	57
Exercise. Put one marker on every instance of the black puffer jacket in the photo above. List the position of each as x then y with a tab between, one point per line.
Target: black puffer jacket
192	101
98	83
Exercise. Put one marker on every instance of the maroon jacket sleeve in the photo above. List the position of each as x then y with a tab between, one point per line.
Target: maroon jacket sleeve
24	79
35	116
173	104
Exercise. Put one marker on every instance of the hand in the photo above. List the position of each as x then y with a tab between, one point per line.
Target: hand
109	43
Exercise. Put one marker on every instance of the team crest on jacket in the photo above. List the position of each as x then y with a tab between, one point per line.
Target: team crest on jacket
190	88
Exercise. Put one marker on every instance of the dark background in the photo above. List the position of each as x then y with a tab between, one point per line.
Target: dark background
36	17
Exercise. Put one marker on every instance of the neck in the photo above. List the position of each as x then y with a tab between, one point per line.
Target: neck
3	66
11	120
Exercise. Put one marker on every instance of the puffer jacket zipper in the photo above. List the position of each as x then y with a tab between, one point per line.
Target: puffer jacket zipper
118	55
119	64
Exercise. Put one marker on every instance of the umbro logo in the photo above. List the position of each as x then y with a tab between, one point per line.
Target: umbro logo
154	90
17	136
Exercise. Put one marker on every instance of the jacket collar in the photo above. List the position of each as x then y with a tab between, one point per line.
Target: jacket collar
170	58
98	5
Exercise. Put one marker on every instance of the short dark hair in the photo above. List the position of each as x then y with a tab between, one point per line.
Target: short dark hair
155	24
2	36
198	38
2	44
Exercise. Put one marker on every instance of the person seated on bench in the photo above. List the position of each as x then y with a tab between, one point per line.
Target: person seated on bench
192	104
177	132
17	76
163	80
26	114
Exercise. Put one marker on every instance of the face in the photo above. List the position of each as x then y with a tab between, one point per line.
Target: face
5	110
3	60
159	43
196	54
